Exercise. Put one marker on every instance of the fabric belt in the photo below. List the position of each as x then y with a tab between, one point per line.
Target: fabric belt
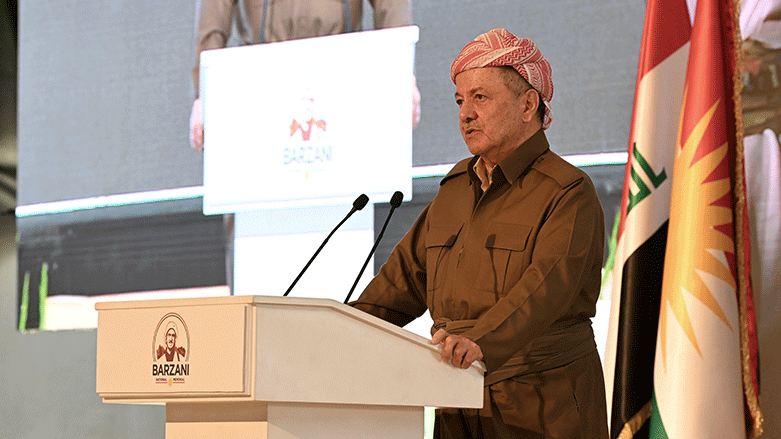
560	344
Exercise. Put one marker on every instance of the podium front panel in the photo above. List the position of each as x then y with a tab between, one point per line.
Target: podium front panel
187	349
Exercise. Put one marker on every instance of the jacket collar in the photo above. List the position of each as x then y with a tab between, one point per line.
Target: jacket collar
514	165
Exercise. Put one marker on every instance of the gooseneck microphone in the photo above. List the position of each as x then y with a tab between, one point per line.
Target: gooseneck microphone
358	204
395	202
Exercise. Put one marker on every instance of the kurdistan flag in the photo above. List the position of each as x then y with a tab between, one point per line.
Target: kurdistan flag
636	277
699	375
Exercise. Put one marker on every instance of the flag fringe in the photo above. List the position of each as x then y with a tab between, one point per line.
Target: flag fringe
633	425
752	399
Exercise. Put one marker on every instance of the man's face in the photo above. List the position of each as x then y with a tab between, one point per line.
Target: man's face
491	116
308	109
170	338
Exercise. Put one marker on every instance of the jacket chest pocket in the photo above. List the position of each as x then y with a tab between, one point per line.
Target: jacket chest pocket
505	248
439	245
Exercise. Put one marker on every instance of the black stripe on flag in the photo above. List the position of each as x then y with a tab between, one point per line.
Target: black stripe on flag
638	321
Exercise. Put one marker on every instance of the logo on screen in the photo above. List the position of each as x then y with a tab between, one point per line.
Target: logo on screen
306	127
309	130
171	350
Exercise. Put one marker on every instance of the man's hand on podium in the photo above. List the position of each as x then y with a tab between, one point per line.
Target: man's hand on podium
196	126
457	350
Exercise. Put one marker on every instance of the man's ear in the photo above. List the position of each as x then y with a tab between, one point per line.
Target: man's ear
531	101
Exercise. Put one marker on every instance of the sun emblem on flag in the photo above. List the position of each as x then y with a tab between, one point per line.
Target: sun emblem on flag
699	259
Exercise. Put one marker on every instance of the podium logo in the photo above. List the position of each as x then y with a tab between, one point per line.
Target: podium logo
171	350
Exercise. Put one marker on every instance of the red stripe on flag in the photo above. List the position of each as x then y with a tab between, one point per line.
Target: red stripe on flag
710	67
667	28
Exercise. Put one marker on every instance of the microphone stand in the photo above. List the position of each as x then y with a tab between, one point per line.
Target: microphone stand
358	204
394	202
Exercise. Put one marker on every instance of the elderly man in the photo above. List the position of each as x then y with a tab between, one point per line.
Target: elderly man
507	258
170	351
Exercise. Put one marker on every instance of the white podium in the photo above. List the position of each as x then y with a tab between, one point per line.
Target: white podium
275	368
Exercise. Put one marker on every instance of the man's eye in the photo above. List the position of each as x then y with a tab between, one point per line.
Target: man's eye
459	102
480	97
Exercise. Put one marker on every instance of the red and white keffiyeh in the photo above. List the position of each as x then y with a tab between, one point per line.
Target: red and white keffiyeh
498	48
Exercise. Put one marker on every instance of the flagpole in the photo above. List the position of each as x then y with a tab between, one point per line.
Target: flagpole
749	349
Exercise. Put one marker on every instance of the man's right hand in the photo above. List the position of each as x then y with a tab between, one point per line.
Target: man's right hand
196	126
457	350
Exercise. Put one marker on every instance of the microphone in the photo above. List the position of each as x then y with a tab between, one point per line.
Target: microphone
358	204
395	202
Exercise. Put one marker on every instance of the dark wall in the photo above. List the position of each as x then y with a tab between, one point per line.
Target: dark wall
160	250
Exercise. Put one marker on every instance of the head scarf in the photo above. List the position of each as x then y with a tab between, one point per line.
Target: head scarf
498	48
169	326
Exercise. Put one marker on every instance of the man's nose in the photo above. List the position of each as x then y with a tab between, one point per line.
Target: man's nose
466	113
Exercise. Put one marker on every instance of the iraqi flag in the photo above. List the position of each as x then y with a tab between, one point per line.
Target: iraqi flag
704	382
635	282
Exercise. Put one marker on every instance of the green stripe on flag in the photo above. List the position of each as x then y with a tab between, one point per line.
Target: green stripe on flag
656	427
